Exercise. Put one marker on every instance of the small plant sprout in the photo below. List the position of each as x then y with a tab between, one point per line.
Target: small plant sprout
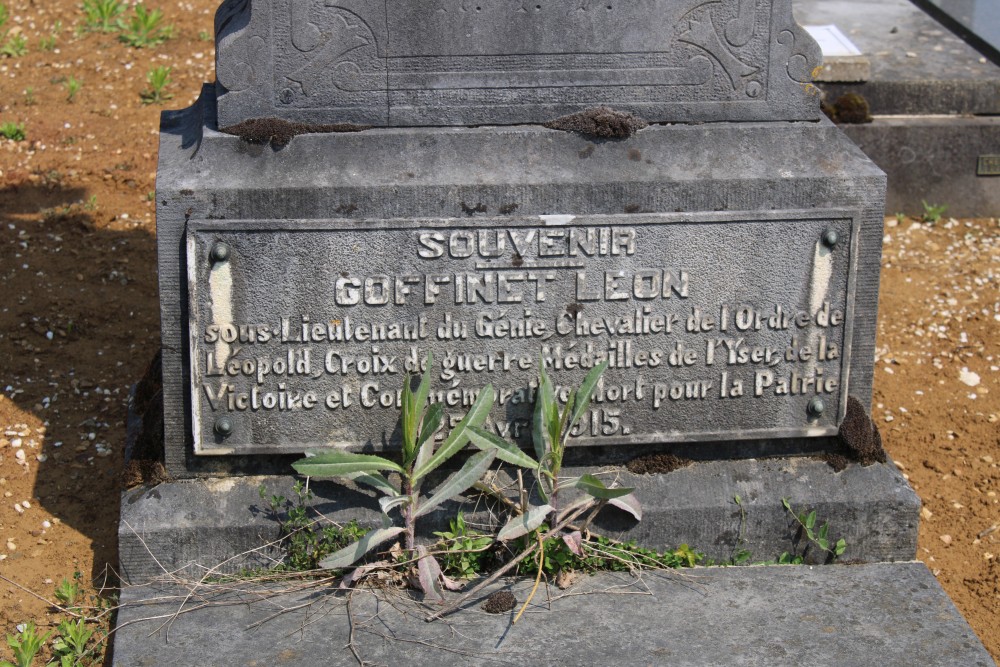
25	644
932	212
818	536
418	423
15	46
3	18
47	43
71	644
143	28
12	131
101	15
72	86
158	78
550	433
551	429
66	592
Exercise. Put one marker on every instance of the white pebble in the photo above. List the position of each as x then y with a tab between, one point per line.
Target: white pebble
968	377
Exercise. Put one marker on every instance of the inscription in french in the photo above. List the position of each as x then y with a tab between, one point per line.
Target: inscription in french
714	327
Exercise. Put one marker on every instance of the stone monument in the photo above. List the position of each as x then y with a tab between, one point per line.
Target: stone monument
564	183
473	188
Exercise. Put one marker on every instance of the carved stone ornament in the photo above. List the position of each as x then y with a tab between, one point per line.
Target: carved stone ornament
475	62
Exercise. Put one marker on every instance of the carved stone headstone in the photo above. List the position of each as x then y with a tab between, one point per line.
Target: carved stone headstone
504	62
724	265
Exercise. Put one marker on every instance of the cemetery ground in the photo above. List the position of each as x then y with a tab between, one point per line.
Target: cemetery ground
79	316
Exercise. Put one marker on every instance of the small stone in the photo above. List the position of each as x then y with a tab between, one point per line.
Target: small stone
968	377
926	514
946	539
986	459
11	546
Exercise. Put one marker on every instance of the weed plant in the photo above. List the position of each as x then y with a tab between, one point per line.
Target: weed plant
818	537
72	86
144	28
15	46
305	541
158	79
932	212
102	15
12	131
25	645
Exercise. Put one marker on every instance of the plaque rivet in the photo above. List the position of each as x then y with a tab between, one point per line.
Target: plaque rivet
224	426
219	252
830	238
815	408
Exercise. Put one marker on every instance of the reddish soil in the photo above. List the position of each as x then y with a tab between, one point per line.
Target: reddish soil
79	321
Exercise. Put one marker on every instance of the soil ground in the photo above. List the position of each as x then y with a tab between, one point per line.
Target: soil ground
79	320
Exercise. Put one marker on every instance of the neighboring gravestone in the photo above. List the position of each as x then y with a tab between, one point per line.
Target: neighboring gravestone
727	271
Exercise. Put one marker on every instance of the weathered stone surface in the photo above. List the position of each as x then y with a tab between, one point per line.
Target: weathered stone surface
192	526
723	199
892	615
934	159
502	62
917	65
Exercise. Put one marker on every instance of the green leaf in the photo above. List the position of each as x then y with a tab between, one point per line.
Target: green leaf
470	473
431	423
586	392
811	520
788	506
460	434
388	502
823	531
823	543
596	488
549	412
739	501
538	424
374	480
506	451
353	552
342	464
424	389
840	547
408	422
524	523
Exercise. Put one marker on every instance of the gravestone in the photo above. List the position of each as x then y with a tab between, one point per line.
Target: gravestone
508	184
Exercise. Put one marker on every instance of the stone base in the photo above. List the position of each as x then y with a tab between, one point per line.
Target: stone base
882	614
193	526
934	160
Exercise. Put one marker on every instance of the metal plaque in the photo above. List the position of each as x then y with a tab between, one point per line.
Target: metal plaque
715	326
988	165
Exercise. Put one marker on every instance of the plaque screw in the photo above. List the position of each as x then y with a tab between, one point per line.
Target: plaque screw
224	426
219	252
815	408
830	238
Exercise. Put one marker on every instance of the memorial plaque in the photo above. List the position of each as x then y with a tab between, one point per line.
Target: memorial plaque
474	62
716	326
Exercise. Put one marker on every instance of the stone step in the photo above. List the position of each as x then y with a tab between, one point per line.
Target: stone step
189	526
877	614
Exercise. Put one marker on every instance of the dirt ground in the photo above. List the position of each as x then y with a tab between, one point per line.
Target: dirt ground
79	320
